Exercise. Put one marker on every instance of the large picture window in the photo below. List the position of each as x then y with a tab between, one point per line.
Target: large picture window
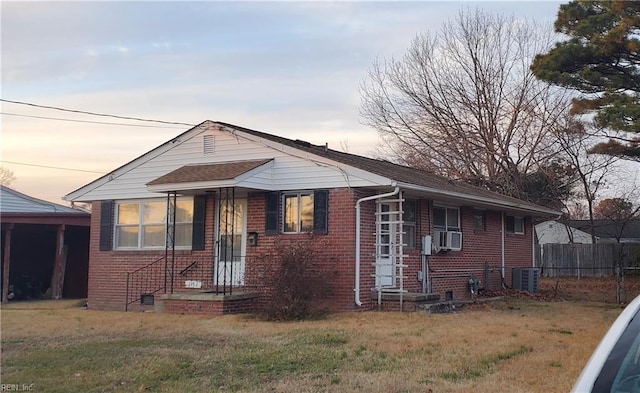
298	212
143	224
446	218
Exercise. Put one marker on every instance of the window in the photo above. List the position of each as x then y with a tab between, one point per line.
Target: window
143	224
409	222
298	212
446	218
479	220
514	225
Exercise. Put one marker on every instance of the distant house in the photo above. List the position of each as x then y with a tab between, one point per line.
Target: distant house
610	231
45	248
559	232
189	226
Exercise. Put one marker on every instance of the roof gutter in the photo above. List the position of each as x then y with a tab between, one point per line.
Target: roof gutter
369	198
488	201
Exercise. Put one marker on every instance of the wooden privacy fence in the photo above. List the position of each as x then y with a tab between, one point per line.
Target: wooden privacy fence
587	260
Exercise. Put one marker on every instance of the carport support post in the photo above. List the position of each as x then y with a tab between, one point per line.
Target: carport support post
57	282
5	266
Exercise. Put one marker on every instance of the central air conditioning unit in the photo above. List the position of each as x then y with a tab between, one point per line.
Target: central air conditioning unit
447	240
525	279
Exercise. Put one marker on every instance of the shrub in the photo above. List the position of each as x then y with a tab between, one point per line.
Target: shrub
295	280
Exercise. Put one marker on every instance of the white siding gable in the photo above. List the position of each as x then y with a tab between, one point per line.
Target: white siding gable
291	169
557	233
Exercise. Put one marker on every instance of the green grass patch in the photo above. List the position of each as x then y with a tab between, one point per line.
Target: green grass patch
470	370
199	362
560	331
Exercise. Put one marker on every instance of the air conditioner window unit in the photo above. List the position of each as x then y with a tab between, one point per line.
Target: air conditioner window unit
454	240
447	240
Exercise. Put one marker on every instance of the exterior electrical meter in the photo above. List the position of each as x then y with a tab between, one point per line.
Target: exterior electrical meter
426	245
423	275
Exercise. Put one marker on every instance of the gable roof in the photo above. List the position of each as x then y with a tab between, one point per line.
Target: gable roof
404	175
198	173
425	183
12	201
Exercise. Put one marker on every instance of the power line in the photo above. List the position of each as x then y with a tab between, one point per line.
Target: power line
50	167
86	121
95	113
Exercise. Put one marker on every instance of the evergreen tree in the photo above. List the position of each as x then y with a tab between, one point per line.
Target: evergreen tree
601	59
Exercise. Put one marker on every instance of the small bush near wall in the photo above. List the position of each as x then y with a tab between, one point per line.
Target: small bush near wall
295	280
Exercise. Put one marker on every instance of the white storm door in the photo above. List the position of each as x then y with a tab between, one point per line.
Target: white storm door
385	254
233	243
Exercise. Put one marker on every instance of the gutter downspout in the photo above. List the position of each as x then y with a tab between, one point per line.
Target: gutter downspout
357	270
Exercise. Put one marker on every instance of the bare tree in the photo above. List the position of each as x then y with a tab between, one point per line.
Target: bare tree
463	103
575	138
6	176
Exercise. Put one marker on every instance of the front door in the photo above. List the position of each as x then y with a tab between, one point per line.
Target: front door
233	242
385	247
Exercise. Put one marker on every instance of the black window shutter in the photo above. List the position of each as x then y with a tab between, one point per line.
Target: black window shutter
320	212
106	223
199	211
272	213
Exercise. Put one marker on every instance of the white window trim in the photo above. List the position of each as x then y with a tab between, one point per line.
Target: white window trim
299	195
140	224
457	228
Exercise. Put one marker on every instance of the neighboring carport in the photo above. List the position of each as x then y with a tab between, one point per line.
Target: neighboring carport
45	248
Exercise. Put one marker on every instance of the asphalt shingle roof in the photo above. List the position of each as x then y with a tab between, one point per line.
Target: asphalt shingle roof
399	173
208	172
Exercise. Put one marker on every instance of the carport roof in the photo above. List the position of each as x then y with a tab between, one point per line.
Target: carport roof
18	208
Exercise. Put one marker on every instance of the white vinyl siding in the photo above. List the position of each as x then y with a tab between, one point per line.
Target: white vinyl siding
291	170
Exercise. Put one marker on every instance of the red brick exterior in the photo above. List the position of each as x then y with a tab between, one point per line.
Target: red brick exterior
182	306
449	271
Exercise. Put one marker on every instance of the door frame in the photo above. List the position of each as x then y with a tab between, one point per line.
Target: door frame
389	262
238	262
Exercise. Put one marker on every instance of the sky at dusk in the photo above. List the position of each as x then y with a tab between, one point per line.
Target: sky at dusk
292	69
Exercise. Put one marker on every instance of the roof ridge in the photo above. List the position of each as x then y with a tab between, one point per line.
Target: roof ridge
327	152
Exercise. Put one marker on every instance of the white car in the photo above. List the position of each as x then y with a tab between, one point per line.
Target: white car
614	367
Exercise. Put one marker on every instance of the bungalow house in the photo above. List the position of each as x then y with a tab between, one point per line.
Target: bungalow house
189	226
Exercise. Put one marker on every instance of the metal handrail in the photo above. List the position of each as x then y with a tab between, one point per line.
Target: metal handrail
186	269
144	286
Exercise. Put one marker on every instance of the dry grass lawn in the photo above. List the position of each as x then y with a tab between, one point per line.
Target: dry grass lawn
513	345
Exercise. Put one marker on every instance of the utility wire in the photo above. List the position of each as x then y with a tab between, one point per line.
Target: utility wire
51	167
86	121
95	113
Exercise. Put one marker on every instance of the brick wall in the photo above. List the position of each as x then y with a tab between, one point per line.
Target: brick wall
335	250
450	271
239	306
108	269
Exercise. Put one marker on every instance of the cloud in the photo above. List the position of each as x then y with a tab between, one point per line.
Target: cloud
288	68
